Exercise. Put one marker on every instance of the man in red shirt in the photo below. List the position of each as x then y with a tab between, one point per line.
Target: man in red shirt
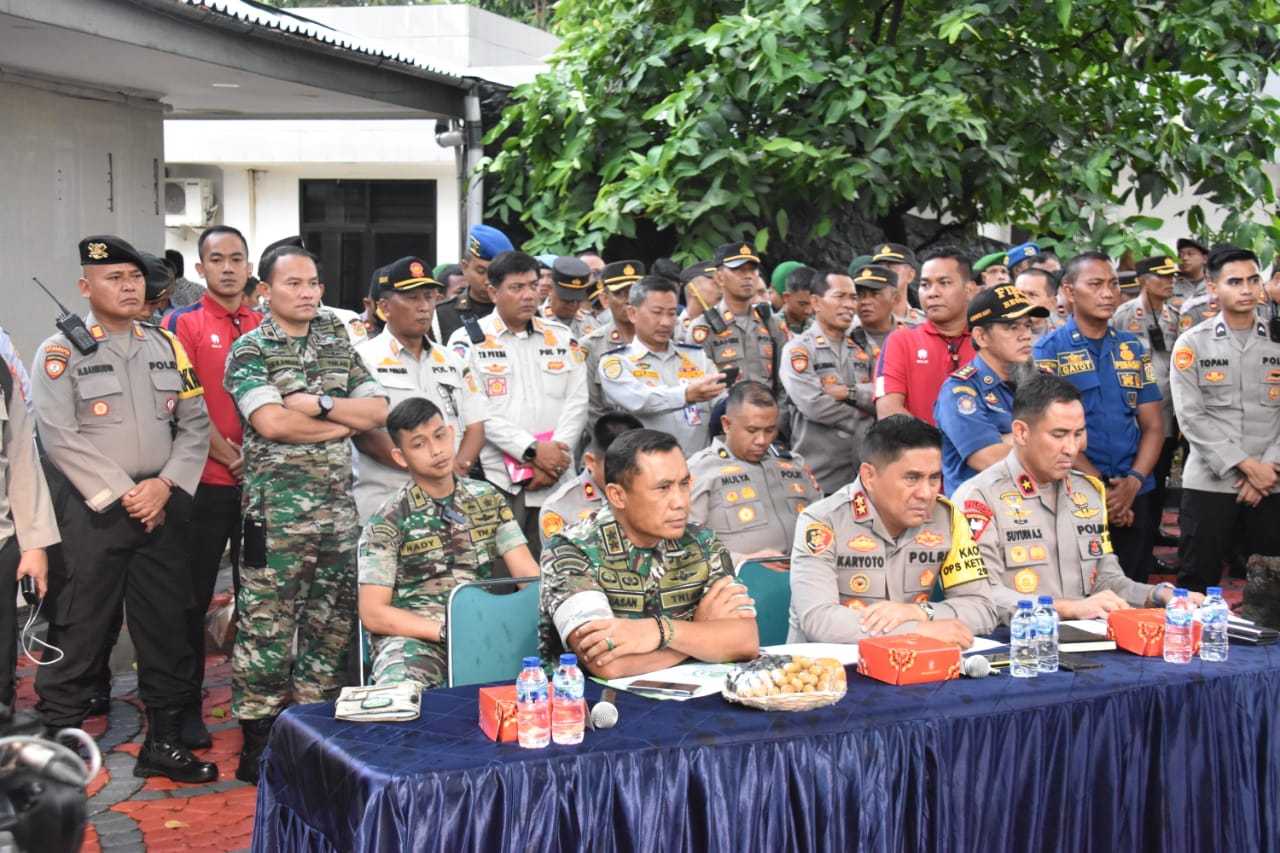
916	361
207	329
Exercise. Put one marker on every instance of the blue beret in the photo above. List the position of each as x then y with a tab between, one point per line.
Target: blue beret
1020	253
486	243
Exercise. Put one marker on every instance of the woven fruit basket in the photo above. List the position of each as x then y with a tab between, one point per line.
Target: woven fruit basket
786	683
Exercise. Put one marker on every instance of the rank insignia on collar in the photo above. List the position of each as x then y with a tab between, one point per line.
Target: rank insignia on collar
722	453
1026	485
611	536
861	507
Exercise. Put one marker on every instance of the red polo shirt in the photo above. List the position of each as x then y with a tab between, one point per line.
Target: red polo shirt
916	361
207	330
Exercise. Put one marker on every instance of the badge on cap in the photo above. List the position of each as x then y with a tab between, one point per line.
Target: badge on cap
98	251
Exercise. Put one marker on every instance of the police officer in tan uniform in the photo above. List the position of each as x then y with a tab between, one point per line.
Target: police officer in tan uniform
865	559
1041	526
615	283
127	425
753	339
745	488
829	379
579	498
1226	389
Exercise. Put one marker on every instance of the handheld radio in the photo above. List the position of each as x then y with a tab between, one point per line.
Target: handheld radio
71	325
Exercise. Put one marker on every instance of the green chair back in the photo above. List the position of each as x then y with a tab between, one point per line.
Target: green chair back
490	634
769	583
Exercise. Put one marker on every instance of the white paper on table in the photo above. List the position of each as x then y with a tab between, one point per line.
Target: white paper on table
846	653
708	676
1093	626
983	644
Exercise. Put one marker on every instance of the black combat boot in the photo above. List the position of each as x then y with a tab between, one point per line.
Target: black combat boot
164	755
195	734
256	733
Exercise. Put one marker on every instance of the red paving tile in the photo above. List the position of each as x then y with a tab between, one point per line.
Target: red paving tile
90	843
188	824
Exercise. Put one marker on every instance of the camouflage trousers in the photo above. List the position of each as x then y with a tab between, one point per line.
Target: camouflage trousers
307	587
397	659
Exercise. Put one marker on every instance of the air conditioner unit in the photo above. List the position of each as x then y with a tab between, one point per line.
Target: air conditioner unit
188	202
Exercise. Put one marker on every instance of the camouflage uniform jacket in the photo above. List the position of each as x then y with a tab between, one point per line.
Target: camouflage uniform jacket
263	367
595	558
423	548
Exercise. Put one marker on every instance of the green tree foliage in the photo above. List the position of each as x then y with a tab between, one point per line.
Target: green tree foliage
801	122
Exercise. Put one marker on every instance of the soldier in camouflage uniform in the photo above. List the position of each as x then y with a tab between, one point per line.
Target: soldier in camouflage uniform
436	532
302	392
637	588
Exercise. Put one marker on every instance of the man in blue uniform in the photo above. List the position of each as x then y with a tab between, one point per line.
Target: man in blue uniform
975	405
1121	402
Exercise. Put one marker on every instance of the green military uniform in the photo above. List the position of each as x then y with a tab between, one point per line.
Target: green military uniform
422	548
300	522
592	571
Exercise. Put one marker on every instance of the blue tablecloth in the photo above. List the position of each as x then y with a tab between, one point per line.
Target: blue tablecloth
1137	755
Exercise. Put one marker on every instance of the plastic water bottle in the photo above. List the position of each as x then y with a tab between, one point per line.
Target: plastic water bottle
1047	634
1177	628
568	708
533	706
1213	615
1023	654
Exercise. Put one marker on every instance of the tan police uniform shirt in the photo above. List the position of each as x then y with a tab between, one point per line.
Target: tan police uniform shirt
751	506
438	375
1226	390
651	386
131	410
1043	539
1137	317
748	343
826	431
536	382
572	502
843	560
25	506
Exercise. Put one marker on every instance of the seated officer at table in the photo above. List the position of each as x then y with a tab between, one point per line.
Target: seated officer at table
638	588
1042	527
865	559
745	488
436	531
577	499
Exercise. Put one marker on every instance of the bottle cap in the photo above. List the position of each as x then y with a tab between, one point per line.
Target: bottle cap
1024	604
1213	590
568	660
1046	599
532	662
1179	593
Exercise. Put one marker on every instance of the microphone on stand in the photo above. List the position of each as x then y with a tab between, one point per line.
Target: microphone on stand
604	714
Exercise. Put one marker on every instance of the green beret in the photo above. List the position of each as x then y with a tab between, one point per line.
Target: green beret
995	259
780	273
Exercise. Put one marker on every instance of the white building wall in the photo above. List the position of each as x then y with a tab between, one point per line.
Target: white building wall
54	187
256	167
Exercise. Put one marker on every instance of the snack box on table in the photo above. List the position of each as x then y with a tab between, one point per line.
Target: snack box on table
498	713
908	659
1141	631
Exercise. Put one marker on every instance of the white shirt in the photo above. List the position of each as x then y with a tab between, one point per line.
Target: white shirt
536	383
439	376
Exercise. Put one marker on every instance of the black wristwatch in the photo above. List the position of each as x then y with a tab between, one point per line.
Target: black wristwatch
325	402
530	453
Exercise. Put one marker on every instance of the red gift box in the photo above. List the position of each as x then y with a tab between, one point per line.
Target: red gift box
498	713
1141	631
908	659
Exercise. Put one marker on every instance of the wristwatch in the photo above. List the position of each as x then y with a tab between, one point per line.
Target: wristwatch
325	402
530	453
444	632
927	607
